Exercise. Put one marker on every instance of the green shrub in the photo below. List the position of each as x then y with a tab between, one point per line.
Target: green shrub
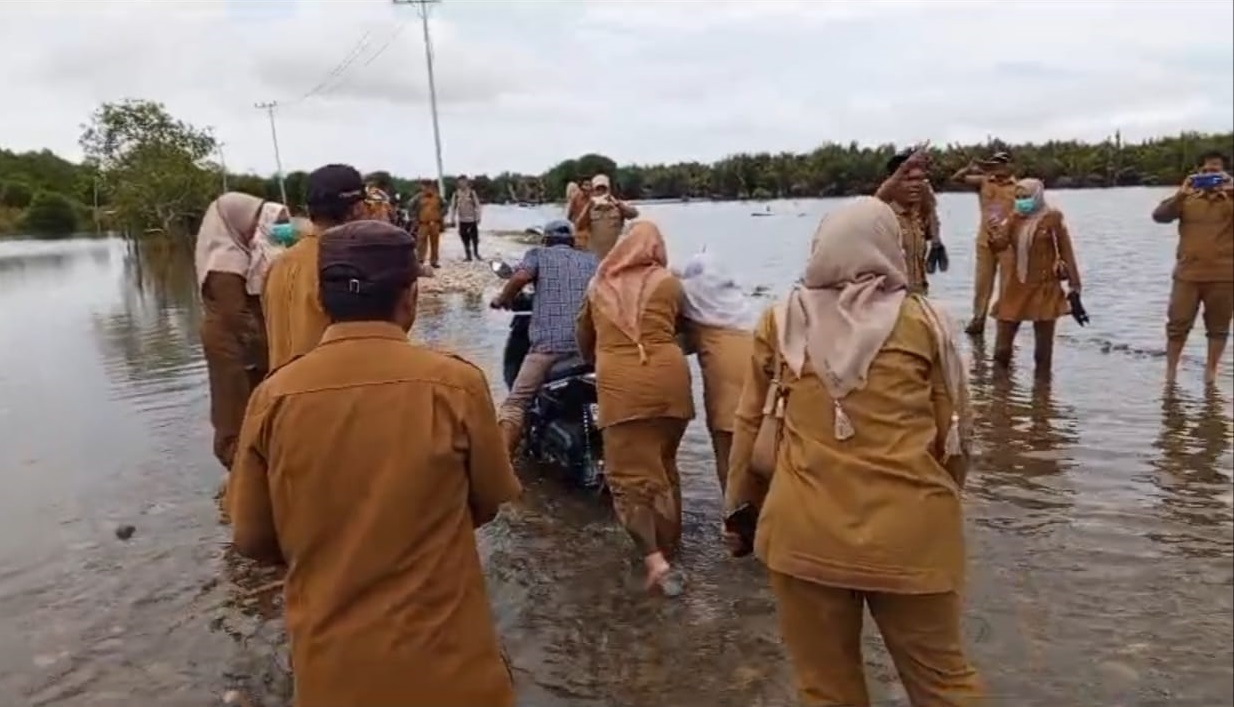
16	195
50	214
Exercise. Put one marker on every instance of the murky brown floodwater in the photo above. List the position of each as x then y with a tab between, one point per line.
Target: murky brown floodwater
1100	509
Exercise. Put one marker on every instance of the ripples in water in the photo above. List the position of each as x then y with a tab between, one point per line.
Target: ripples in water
1100	504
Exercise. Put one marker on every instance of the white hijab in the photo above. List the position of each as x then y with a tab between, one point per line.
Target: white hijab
713	297
264	250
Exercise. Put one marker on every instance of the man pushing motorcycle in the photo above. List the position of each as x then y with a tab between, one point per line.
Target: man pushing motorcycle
560	274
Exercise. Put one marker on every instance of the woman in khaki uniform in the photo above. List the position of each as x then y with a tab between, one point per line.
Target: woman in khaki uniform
863	507
1041	259
717	321
227	260
602	217
576	203
628	326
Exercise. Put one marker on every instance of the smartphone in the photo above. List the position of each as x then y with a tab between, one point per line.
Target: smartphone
1210	180
742	522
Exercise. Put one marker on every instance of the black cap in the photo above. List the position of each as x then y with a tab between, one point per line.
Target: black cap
898	159
335	185
363	257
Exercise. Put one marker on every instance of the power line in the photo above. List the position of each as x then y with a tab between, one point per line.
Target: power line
341	78
341	67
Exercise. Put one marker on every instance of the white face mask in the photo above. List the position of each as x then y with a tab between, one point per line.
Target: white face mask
599	199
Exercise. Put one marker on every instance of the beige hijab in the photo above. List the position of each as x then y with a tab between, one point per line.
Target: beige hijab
845	307
224	241
627	277
1027	228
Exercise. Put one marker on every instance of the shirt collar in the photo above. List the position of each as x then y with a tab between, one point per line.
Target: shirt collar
340	331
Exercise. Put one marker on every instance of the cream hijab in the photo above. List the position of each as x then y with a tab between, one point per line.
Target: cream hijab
712	296
628	276
1027	228
225	238
845	307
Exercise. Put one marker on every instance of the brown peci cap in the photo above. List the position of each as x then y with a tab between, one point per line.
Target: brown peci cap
364	257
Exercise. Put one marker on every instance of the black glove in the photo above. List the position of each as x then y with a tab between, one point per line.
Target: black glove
1077	308
936	258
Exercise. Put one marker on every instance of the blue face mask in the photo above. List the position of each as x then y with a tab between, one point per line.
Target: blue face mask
283	234
1025	206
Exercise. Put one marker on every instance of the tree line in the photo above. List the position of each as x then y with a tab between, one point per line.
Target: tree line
146	171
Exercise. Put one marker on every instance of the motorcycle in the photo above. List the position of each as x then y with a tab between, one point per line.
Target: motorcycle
559	423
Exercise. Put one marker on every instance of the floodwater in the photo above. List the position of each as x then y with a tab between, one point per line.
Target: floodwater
1099	508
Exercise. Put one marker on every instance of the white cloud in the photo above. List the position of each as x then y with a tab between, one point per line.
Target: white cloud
525	83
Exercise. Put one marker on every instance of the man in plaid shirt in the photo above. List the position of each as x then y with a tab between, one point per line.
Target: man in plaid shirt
561	275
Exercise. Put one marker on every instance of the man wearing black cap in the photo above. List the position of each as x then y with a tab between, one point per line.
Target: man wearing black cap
294	317
365	466
995	198
913	201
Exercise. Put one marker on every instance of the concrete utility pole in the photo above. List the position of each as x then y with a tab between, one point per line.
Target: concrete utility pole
423	7
274	135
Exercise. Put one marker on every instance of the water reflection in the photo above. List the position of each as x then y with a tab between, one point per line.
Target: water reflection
103	420
1026	440
1193	470
150	340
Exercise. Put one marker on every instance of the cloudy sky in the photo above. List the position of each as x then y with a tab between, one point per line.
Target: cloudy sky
523	84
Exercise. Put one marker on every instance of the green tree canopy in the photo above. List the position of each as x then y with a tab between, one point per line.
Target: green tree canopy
153	167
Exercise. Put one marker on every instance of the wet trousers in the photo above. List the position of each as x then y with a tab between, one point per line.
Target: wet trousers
989	268
722	445
428	243
640	464
530	377
1186	301
1043	343
231	379
821	628
469	234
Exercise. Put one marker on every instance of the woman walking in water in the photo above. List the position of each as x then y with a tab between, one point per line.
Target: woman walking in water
628	326
717	321
866	398
231	262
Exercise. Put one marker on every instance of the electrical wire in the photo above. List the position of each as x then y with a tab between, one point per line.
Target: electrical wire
340	68
341	77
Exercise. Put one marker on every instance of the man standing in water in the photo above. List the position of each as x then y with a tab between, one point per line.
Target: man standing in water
1204	274
428	217
995	198
365	466
295	320
604	217
465	211
913	203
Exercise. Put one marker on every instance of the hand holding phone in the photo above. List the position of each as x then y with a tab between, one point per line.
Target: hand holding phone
1207	181
740	526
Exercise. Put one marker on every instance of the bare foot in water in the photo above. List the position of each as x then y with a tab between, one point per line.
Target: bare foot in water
662	576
